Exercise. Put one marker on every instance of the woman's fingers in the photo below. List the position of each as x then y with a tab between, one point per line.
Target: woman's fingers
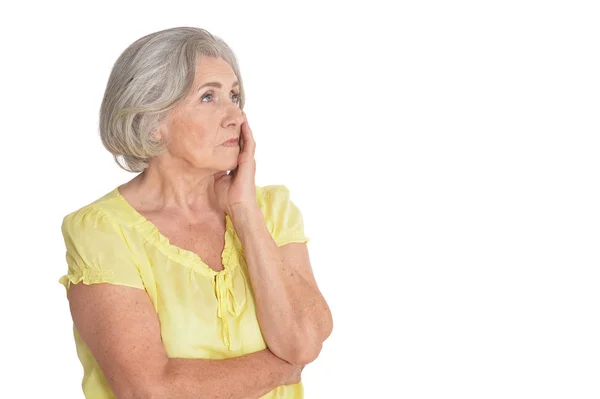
248	137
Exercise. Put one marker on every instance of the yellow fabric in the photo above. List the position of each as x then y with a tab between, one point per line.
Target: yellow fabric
203	314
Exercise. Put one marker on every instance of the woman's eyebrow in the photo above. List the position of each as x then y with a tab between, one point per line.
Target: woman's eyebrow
217	85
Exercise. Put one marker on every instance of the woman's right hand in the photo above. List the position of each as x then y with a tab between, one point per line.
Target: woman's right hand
295	375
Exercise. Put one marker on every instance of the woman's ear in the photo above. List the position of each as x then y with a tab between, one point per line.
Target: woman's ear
157	135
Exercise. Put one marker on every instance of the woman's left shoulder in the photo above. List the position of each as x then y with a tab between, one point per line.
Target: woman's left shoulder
283	218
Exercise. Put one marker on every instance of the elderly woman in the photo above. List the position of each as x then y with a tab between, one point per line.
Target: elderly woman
189	281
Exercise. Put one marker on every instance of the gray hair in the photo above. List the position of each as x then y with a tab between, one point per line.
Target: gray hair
148	79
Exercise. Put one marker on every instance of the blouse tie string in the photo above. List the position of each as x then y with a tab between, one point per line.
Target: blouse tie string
226	301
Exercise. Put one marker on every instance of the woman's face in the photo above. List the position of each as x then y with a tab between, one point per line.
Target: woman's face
197	127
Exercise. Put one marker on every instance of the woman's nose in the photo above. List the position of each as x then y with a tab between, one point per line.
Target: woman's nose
233	115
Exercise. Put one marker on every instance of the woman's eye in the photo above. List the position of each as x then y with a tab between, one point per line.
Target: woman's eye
235	98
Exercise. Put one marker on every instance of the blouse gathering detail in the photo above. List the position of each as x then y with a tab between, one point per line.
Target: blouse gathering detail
203	314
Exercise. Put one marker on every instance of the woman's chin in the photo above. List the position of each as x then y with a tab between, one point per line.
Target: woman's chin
233	163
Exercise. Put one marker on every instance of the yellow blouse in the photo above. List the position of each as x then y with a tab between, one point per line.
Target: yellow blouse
203	314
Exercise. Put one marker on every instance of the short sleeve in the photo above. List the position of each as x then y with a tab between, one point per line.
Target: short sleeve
97	251
283	218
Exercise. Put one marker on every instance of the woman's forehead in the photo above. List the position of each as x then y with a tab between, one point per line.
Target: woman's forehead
210	69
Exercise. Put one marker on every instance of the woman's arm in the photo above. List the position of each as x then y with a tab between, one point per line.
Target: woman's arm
293	315
121	329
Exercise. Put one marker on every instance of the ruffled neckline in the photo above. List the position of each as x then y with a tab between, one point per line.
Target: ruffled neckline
182	256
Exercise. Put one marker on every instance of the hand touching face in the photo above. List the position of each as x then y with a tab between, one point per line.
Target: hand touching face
239	187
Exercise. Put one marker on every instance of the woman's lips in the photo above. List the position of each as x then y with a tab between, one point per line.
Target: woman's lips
231	142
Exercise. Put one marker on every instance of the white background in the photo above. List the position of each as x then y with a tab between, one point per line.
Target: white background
444	156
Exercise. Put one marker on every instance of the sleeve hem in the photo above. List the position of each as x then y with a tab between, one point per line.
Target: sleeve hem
69	279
